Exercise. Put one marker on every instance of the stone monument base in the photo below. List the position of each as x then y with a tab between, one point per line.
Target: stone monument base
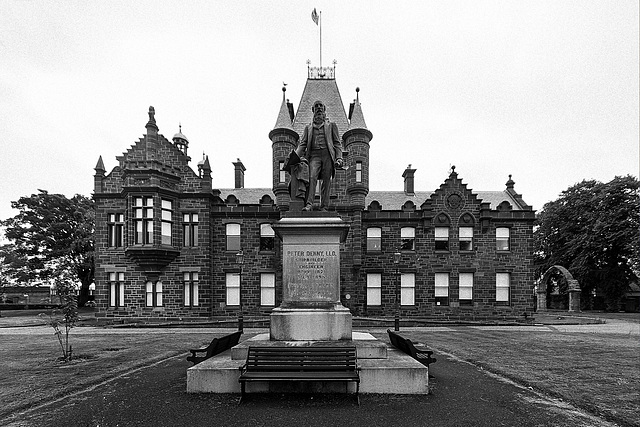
384	369
310	324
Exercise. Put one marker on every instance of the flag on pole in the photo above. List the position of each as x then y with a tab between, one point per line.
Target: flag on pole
314	16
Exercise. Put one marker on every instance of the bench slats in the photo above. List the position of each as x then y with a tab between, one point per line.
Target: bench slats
301	364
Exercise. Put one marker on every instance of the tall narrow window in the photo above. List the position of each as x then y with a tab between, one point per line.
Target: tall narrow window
503	283
358	171
267	289
190	229
283	174
191	289
466	238
442	288
267	237
115	227
233	237
167	210
116	289
374	289
154	294
143	220
407	289
442	238
465	289
233	288
502	239
374	239
408	238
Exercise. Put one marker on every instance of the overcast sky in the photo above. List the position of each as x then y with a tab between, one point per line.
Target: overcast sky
544	90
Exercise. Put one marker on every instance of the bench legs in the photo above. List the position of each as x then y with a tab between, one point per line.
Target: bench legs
243	392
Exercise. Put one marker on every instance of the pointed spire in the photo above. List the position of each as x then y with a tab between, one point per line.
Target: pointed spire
355	113
206	167
284	116
100	170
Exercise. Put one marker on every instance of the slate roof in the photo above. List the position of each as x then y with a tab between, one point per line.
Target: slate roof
393	200
390	200
325	90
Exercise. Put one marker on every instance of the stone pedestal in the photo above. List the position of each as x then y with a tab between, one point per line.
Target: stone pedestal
310	324
311	308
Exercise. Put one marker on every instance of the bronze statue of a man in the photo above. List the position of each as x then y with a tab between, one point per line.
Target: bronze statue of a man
321	146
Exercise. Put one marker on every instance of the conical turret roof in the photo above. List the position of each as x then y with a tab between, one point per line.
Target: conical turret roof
284	118
357	118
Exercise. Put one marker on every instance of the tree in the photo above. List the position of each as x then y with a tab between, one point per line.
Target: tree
67	316
49	232
593	231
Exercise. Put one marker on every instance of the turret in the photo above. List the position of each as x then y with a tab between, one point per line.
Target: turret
356	143
283	140
99	176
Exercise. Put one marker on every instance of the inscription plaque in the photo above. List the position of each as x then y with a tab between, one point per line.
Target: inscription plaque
311	274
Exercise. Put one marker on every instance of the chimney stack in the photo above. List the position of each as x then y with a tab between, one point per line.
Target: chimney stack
408	181
239	173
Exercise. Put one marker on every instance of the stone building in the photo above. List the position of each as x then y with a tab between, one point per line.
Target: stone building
167	239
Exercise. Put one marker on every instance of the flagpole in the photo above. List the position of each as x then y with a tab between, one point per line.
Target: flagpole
320	19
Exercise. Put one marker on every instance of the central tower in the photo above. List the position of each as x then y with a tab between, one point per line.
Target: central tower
351	184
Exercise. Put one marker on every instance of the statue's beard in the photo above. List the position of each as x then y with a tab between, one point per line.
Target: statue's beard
318	118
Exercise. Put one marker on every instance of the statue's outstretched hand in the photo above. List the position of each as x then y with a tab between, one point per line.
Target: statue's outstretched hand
339	163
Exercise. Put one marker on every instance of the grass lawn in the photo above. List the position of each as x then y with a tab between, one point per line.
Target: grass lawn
31	372
596	372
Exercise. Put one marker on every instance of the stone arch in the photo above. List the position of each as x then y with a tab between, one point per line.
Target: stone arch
442	219
375	206
408	206
266	200
466	219
557	284
232	200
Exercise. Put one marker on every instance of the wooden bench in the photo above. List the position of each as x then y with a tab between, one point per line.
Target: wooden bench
405	345
301	364
217	346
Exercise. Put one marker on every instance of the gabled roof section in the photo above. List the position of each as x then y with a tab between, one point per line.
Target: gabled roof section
394	200
325	90
498	200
